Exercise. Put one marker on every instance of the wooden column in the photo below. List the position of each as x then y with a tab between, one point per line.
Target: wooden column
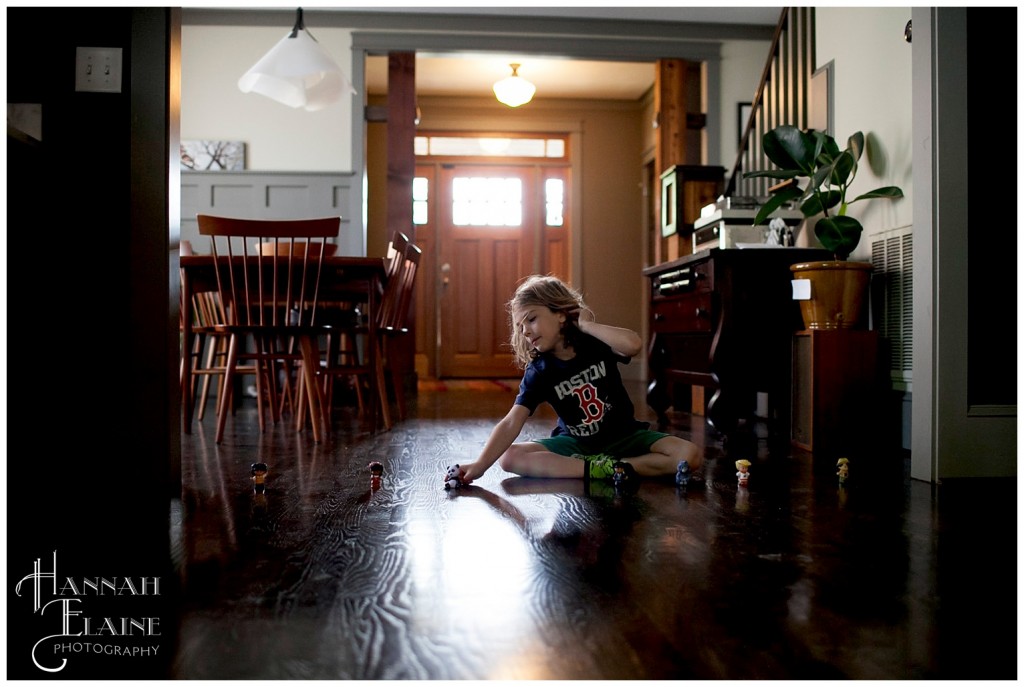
401	132
679	116
401	158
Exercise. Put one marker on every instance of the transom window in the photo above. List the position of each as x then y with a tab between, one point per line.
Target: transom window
547	147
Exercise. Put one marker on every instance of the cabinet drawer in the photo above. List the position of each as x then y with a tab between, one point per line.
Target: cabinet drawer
695	278
684	352
689	313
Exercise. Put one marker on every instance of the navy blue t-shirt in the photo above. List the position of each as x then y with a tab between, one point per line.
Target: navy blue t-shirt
586	393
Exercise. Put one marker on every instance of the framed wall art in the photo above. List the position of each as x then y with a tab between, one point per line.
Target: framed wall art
211	156
742	115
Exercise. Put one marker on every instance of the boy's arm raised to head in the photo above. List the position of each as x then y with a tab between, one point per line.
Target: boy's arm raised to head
623	341
504	433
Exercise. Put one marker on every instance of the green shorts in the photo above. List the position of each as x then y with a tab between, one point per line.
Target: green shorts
636	444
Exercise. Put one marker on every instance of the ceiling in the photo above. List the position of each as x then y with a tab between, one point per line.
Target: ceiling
473	74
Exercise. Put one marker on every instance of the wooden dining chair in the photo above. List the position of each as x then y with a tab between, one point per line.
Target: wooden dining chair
390	322
285	366
209	354
342	343
268	280
396	323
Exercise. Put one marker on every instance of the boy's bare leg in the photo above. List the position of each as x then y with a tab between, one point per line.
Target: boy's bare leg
531	459
665	456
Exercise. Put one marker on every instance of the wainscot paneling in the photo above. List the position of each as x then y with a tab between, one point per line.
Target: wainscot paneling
269	195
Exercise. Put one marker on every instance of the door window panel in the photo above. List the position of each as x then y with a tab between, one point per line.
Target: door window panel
487	201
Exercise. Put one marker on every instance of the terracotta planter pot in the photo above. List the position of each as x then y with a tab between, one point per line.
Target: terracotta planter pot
839	294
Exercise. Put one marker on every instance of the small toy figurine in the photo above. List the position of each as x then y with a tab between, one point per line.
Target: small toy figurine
453	477
743	466
259	476
844	469
621	475
683	473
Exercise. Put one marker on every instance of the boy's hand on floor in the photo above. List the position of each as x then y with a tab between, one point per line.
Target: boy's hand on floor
469	473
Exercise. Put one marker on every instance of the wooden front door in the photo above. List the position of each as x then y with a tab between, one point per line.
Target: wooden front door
488	221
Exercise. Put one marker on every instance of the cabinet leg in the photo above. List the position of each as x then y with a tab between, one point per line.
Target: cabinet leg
721	415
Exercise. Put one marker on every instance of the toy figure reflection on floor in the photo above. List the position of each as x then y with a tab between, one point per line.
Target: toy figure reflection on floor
844	470
259	509
259	498
743	474
259	476
376	471
743	501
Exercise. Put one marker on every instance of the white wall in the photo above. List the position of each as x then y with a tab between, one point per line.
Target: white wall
742	64
873	94
278	138
213	108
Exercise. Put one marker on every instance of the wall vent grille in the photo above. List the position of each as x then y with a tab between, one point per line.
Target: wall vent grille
892	255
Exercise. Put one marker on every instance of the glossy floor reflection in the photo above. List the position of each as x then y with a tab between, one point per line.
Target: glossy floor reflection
327	573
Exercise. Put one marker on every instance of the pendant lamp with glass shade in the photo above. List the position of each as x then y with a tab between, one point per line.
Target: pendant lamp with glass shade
514	90
297	72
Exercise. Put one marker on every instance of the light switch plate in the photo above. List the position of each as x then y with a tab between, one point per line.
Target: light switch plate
98	70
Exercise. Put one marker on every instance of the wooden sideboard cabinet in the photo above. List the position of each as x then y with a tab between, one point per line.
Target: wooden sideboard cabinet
724	319
836	390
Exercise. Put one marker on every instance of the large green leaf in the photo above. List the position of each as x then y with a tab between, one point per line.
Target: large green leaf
855	144
839	235
883	192
827	147
812	206
775	202
822	176
789	148
843	168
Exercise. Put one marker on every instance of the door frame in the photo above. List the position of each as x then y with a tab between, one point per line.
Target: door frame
571	128
428	359
530	247
949	437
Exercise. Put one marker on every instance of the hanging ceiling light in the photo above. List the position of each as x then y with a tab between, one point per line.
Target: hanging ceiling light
514	90
297	72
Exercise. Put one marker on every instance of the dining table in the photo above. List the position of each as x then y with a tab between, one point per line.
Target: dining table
344	279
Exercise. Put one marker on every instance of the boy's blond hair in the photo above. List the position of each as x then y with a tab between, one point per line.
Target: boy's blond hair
546	291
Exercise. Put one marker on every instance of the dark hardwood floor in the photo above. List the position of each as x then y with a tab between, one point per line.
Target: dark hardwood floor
324	576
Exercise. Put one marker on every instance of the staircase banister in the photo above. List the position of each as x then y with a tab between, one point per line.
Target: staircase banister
773	52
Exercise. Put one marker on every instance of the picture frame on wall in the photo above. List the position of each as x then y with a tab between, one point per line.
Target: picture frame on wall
743	111
821	112
213	156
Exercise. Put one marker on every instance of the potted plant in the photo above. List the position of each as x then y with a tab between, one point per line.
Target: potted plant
838	287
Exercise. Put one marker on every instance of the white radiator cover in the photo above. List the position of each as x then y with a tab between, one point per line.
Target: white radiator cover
893	299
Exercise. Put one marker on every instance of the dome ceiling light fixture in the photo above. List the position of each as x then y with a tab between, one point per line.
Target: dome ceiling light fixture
514	90
297	72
